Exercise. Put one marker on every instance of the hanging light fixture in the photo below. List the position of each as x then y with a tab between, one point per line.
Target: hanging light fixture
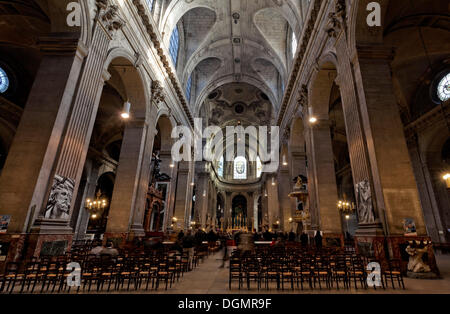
126	110
204	193
265	192
273	181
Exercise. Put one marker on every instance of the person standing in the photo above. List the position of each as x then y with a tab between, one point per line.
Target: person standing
318	239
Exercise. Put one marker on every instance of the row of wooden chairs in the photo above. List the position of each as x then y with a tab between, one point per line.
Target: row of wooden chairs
318	269
102	272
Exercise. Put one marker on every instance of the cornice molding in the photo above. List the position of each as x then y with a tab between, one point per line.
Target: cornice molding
164	59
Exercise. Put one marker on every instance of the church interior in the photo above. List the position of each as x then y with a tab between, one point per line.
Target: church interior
327	124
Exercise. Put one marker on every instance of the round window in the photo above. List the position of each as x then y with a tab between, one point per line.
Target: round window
4	81
443	89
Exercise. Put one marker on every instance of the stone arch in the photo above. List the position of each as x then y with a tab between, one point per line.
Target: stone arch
165	125
176	10
321	86
134	88
230	79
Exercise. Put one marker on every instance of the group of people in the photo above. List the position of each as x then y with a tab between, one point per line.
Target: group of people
99	249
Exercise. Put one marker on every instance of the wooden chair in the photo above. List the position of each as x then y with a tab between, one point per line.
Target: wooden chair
394	271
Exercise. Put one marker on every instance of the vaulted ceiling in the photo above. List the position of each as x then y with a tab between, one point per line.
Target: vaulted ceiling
225	42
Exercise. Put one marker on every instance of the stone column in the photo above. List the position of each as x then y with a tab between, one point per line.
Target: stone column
227	211
426	192
311	175
284	188
371	224
201	199
182	199
78	129
89	191
273	205
250	210
166	161
27	170
324	178
127	208
395	186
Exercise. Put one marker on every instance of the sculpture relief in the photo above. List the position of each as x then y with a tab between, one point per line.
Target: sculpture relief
366	213
58	205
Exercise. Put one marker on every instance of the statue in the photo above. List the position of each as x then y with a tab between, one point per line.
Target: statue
416	250
58	205
156	174
364	201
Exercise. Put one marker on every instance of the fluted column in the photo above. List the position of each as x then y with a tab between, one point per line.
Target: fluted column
183	196
78	130
250	210
324	178
26	173
426	192
227	210
395	186
132	180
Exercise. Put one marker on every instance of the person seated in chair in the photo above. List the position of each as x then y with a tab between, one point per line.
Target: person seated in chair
109	250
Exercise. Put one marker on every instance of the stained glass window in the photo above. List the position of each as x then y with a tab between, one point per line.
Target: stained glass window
293	44
188	88
240	168
4	81
150	4
220	167
443	89
174	45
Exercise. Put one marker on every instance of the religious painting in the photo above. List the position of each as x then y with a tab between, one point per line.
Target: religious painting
409	227
366	213
58	205
4	222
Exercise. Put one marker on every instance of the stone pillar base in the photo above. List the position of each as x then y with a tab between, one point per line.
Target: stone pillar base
38	244
136	231
371	229
51	226
371	246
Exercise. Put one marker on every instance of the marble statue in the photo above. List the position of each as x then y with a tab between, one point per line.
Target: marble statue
416	250
58	205
364	201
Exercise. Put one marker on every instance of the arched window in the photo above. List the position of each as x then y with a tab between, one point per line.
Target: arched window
189	88
220	167
240	168
443	89
4	81
258	167
174	45
150	4
293	44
